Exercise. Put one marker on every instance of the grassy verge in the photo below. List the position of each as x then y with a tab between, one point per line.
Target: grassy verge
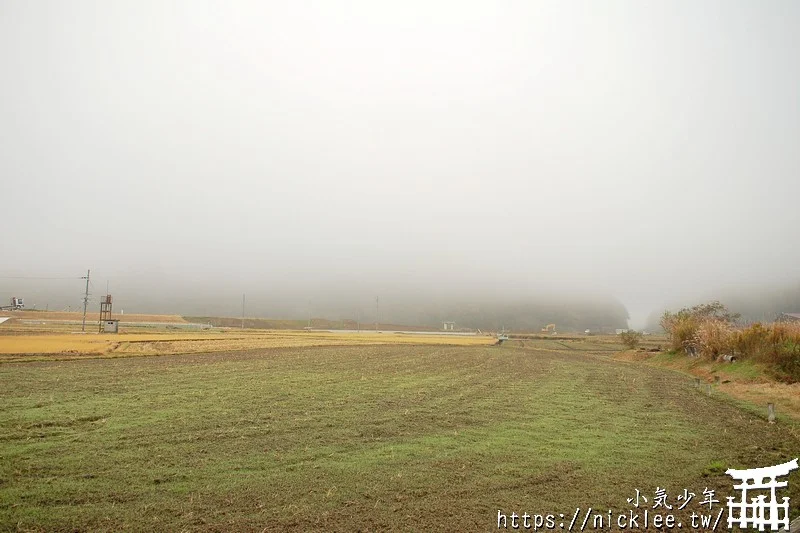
748	382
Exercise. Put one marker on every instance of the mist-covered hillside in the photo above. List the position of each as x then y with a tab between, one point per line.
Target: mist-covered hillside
755	303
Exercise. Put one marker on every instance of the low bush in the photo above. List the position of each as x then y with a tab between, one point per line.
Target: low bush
631	338
713	338
693	328
777	345
750	340
789	361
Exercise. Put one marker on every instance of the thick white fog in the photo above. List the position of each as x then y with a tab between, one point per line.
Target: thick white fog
188	152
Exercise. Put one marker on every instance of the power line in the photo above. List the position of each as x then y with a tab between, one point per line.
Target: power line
34	277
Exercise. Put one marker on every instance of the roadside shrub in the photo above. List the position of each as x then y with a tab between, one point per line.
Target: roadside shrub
713	338
631	338
680	327
750	341
781	332
683	327
707	330
776	345
789	361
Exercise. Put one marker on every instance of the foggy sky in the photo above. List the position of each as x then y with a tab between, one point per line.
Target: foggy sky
192	151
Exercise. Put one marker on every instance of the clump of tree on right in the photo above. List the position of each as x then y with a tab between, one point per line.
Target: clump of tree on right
711	331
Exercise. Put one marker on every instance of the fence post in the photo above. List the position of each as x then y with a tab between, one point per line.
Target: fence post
708	388
771	413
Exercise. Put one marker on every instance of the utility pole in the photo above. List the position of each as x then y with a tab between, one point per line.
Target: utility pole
242	310
85	300
358	320
377	313
309	314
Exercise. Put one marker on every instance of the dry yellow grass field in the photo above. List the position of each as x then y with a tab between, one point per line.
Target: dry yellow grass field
26	347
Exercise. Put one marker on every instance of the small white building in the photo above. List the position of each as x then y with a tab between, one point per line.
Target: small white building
449	326
620	331
111	326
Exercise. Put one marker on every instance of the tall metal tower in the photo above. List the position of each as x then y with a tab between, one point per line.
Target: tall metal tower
105	311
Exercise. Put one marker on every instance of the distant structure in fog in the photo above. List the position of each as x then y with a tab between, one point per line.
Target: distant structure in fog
449	326
107	324
789	317
16	305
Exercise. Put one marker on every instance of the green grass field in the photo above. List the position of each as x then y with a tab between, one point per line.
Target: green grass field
359	438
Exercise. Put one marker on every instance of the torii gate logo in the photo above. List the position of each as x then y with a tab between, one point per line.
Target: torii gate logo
759	513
